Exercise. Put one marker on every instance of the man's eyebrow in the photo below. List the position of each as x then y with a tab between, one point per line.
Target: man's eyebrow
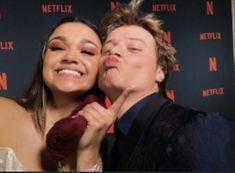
137	39
130	38
108	41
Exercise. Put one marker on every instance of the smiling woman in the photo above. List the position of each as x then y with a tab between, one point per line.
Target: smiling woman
71	59
66	75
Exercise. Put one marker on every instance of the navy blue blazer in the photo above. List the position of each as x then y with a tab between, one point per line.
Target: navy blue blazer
168	137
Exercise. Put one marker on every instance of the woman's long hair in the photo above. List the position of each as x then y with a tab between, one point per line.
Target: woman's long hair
35	97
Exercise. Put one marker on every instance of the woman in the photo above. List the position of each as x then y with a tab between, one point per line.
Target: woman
65	75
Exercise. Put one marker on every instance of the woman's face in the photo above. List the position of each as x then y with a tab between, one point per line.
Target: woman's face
71	59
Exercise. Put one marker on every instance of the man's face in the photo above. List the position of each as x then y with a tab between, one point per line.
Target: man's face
128	58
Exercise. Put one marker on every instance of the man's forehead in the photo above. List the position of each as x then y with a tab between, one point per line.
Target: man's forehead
131	32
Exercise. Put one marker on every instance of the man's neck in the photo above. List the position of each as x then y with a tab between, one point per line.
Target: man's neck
132	99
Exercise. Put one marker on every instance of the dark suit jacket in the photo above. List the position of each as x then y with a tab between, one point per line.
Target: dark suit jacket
168	137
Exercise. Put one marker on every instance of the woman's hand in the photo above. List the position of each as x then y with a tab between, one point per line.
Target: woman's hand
99	120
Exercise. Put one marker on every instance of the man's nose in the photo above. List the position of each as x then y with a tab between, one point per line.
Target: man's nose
114	51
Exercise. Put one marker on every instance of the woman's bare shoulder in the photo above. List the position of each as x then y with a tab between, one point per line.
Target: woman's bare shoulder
8	104
9	108
13	120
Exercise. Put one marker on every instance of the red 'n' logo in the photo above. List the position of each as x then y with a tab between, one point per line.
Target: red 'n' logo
209	8
171	94
114	5
3	81
212	64
167	37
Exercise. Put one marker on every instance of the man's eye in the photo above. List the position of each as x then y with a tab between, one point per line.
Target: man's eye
104	51
133	49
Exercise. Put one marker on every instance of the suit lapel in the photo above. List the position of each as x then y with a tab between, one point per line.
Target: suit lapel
142	121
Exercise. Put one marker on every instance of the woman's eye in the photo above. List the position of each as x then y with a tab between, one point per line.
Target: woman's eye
56	48
87	52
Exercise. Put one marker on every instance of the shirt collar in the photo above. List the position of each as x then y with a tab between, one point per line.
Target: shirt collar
123	125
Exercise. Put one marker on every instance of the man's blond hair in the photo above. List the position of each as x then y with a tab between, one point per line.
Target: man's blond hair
129	14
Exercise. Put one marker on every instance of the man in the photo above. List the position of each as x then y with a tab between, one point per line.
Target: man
153	133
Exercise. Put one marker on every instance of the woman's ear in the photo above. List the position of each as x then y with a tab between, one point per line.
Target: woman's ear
160	75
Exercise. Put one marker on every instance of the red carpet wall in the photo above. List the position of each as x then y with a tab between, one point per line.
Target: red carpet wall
200	30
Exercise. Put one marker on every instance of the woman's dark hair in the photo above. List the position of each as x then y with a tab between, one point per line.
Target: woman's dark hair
35	97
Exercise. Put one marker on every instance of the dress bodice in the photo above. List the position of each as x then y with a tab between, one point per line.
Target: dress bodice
9	161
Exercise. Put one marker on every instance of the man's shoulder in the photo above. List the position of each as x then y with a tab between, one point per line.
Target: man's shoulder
177	118
173	111
173	117
178	113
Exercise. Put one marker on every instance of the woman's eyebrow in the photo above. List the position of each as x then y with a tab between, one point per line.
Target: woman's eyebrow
89	42
57	38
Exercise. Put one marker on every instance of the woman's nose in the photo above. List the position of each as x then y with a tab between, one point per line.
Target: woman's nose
71	56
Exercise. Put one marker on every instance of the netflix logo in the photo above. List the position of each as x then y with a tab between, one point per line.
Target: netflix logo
3	81
209	8
114	5
212	64
212	91
6	45
167	37
164	7
176	67
171	94
57	8
210	36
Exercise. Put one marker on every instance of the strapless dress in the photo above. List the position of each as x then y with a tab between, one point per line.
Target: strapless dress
9	161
